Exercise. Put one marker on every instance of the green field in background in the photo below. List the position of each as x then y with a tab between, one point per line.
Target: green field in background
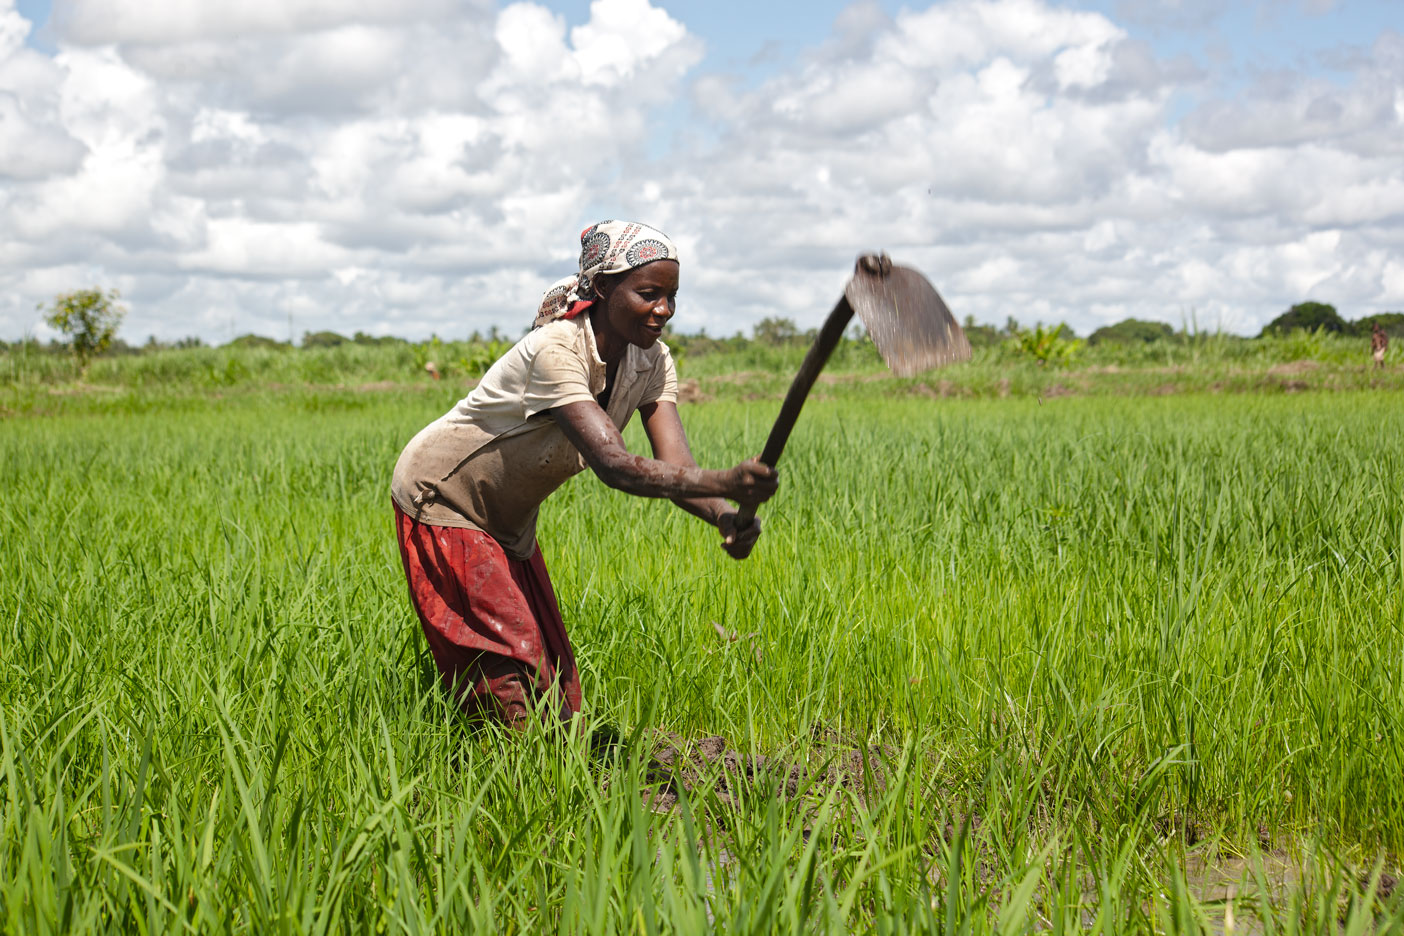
1087	645
36	382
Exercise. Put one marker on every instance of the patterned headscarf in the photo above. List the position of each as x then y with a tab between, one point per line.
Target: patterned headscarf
607	247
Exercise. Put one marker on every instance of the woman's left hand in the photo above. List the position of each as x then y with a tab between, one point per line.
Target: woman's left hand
738	543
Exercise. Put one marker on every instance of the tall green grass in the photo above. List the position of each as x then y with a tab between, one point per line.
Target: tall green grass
1189	362
1073	653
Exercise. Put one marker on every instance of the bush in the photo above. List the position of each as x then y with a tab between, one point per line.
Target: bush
1307	316
258	341
775	331
361	338
323	339
980	336
1131	331
1045	345
89	317
1391	322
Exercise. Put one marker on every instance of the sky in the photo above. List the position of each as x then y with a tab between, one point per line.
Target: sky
425	167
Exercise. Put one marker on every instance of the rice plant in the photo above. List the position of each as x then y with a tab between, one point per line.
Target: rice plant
1081	665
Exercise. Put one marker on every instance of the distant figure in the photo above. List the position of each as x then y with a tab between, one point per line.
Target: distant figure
433	369
1379	343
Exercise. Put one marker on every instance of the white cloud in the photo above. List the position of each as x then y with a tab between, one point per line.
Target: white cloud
33	141
31	150
425	166
623	39
1287	109
156	22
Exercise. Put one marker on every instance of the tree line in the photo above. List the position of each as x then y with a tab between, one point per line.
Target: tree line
89	319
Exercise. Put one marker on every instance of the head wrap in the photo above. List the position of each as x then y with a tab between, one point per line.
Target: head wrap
607	247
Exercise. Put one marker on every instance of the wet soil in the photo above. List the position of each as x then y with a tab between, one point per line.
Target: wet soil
710	765
690	391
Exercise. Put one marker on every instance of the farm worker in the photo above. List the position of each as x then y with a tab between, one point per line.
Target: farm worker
467	488
1379	344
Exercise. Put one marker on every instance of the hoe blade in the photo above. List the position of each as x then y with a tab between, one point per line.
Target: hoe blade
906	318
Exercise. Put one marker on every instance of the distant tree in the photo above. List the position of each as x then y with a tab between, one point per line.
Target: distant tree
89	317
1311	316
362	338
774	331
1391	322
1131	331
322	339
190	341
980	336
258	341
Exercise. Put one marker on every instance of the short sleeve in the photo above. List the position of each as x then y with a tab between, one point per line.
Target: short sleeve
557	376
662	380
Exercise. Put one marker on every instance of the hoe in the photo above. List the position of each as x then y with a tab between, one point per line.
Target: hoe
905	317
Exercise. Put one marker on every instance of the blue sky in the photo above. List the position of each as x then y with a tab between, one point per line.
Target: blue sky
1264	34
338	161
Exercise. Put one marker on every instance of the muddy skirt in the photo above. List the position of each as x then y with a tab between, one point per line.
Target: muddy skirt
492	622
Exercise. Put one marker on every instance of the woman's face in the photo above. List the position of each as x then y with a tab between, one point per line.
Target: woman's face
639	303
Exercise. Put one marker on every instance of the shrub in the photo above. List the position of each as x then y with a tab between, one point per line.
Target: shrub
89	317
1391	322
258	341
1045	345
1130	331
1307	316
980	336
774	331
322	339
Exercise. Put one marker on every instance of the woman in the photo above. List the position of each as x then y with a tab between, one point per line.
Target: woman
467	488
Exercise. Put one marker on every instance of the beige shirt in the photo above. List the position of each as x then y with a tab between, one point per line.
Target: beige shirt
488	463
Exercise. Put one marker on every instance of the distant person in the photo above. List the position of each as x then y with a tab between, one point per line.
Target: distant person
467	488
1379	344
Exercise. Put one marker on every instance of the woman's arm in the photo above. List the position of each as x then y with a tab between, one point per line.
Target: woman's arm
596	437
669	441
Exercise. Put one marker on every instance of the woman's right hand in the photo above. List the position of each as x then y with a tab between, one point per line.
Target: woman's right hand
752	483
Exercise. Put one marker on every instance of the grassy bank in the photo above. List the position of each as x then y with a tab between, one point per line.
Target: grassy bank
39	382
1082	664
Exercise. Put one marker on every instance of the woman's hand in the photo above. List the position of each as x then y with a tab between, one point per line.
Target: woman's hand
752	483
738	543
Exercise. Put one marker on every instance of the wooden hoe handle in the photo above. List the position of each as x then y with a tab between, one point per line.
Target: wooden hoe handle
814	361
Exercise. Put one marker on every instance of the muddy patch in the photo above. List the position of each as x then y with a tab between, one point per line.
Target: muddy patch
82	389
1292	368
941	390
690	391
680	765
738	377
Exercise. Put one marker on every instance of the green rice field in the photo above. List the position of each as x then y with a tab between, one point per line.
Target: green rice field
1089	663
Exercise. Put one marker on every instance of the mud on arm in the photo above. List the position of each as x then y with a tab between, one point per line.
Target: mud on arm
675	475
669	441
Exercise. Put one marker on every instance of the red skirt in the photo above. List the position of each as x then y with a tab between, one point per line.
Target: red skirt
492	622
